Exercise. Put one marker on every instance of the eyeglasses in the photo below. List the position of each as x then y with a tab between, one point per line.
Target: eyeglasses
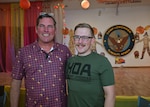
84	38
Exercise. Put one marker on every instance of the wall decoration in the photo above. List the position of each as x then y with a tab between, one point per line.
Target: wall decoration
146	41
119	60
136	36
71	42
95	30
65	31
102	53
118	40
136	54
147	27
140	30
99	36
93	47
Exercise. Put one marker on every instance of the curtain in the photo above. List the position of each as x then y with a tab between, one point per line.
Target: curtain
17	17
56	7
5	39
30	17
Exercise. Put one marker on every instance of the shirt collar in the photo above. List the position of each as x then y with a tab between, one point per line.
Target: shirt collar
37	48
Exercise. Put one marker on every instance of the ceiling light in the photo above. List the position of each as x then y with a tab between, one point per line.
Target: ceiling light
85	4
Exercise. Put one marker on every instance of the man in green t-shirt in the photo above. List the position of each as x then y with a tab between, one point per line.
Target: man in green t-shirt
89	75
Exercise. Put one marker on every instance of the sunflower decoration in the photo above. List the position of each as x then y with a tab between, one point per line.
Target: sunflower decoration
140	30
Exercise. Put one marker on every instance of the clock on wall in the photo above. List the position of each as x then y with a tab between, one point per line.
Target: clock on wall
118	40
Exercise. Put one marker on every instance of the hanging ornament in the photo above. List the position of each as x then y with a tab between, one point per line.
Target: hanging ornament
95	30
65	31
25	4
56	7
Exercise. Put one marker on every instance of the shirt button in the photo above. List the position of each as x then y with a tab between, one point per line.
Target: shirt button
49	61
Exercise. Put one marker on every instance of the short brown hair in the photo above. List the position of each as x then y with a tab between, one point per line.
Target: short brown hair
85	25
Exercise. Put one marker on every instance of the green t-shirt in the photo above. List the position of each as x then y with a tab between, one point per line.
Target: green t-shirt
86	76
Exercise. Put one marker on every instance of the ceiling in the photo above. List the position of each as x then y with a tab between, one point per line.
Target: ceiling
75	4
